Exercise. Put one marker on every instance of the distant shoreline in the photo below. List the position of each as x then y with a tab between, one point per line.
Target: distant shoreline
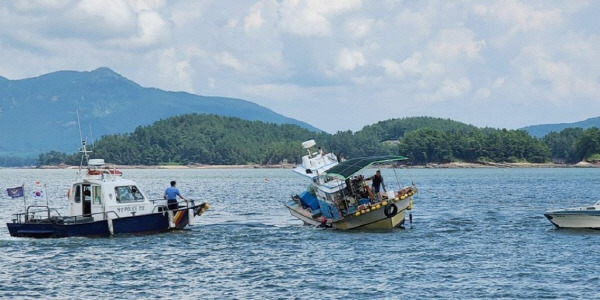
461	165
453	165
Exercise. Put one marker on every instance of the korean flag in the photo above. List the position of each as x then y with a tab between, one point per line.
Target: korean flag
39	194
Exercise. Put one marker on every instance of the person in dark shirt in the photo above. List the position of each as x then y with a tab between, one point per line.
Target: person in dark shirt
171	194
377	182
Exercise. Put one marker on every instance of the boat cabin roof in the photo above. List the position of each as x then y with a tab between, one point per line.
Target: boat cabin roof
349	167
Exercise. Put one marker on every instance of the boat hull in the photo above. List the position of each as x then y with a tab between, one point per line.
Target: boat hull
574	218
141	224
375	219
372	220
377	222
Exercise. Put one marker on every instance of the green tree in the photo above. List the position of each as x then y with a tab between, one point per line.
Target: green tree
589	143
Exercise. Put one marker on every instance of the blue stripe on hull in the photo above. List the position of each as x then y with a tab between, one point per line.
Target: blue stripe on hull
141	224
151	223
98	228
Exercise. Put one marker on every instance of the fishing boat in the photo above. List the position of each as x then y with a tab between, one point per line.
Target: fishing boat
576	217
339	196
102	203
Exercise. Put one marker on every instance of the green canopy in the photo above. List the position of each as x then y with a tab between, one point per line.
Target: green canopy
350	167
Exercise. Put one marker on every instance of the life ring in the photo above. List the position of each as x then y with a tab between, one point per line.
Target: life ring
390	210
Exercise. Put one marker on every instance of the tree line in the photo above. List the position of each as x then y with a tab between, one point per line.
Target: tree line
218	140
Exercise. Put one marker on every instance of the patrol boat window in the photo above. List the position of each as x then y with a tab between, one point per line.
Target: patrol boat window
128	193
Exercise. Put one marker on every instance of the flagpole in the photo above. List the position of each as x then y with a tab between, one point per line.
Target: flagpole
46	195
25	202
47	205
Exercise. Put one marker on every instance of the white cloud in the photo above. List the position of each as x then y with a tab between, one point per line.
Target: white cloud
152	28
498	82
517	18
522	17
452	89
109	15
360	28
470	61
229	60
254	19
311	17
348	60
392	68
456	43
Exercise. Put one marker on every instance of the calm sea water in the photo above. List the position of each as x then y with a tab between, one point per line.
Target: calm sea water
477	233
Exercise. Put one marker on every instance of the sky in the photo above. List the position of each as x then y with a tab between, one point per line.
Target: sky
337	65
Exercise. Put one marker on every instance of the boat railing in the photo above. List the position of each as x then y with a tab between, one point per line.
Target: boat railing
30	214
46	214
161	204
110	212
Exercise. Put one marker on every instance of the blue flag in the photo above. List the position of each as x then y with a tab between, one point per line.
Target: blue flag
15	192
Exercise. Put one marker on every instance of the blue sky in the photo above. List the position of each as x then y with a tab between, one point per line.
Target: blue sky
337	65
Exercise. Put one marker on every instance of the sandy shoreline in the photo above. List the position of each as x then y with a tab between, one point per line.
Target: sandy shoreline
454	165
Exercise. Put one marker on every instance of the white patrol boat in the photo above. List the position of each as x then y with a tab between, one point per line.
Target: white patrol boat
103	203
339	197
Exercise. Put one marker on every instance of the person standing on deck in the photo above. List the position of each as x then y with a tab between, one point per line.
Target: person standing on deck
377	182
171	194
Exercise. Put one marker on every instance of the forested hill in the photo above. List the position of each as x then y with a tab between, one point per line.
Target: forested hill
205	139
211	139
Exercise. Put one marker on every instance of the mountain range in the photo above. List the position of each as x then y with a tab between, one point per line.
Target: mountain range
40	114
543	129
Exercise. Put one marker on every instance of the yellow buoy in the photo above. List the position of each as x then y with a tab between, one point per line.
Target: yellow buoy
368	210
363	211
378	206
357	213
384	203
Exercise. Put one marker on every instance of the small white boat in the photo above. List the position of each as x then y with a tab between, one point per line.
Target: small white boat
576	217
103	203
339	197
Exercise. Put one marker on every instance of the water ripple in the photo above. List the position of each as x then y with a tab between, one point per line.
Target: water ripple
476	234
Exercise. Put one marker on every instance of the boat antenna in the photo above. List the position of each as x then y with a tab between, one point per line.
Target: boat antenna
91	136
84	152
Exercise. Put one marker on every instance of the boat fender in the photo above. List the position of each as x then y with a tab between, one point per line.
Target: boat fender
390	210
111	228
171	218
69	193
191	217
